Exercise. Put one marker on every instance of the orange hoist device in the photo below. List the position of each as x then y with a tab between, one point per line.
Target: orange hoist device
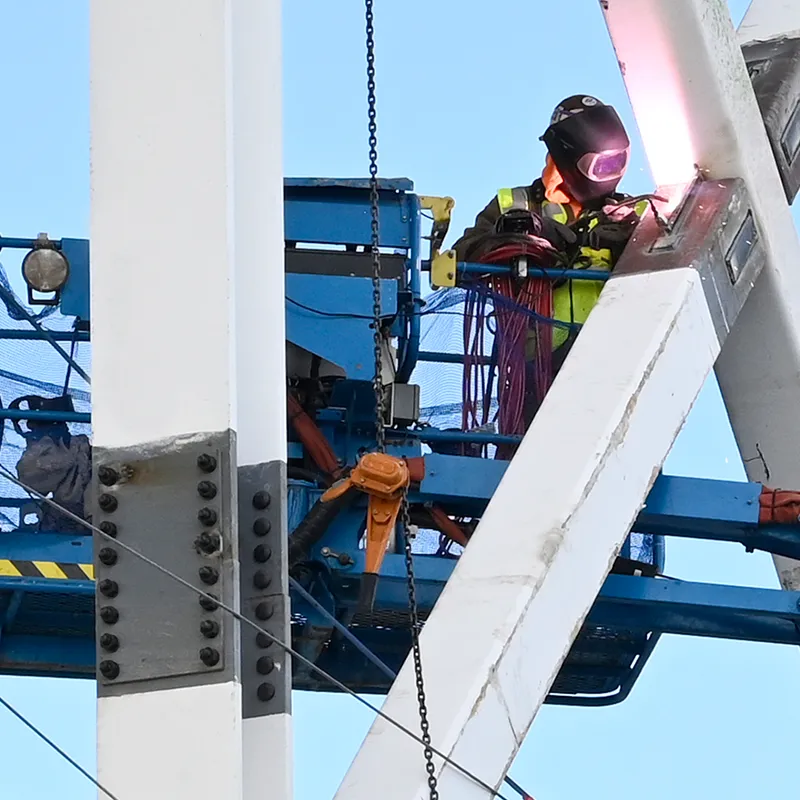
385	480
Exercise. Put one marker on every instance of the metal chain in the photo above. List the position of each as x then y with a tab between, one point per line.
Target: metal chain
377	338
430	768
378	387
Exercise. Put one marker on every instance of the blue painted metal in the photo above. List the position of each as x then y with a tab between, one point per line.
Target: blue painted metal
44	416
34	335
466	268
465	437
59	547
409	344
363	184
338	212
449	358
75	300
20	244
325	330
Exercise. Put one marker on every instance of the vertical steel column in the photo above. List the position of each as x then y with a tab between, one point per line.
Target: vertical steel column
187	280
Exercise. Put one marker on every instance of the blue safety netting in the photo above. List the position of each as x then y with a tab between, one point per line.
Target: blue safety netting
33	367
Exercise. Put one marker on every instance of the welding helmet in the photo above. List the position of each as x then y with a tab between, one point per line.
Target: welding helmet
589	146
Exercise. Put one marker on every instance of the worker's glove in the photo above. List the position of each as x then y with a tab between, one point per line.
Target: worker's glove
559	235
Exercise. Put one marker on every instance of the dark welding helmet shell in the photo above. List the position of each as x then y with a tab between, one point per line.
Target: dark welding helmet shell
590	150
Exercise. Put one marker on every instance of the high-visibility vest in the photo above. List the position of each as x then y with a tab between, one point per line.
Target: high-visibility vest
572	300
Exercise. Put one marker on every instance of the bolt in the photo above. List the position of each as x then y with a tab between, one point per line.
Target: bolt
262	526
263	641
207	516
107	476
345	559
206	462
127	472
209	603
109	615
109	642
108	556
261	500
264	610
265	665
208	575
109	669
262	554
209	628
209	656
107	503
265	692
261	580
108	588
208	542
108	528
207	490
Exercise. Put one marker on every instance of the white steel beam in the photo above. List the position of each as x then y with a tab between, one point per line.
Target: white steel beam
260	305
186	249
694	104
508	615
770	19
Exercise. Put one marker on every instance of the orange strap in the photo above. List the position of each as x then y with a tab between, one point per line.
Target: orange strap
778	507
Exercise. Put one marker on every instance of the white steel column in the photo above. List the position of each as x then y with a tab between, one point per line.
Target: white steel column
165	230
260	305
694	104
770	19
508	615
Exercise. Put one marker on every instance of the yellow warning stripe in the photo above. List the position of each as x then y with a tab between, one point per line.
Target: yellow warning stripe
46	569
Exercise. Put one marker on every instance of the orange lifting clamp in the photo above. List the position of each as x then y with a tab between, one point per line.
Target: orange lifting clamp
384	479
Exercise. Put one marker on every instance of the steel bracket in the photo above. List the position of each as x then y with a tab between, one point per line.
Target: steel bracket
172	501
264	574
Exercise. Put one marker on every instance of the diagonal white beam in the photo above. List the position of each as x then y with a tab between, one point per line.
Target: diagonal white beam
770	19
694	104
508	615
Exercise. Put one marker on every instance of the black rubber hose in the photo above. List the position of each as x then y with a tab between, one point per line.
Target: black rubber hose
315	523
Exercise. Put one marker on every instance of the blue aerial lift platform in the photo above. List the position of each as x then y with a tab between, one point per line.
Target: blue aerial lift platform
47	591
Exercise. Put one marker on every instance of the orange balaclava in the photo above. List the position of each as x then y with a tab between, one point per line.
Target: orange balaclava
555	189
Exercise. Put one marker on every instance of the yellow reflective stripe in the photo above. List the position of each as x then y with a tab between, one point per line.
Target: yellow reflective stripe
87	570
600	258
592	222
50	569
641	207
8	569
556	212
505	198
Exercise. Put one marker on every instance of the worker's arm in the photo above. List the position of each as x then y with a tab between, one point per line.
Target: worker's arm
484	224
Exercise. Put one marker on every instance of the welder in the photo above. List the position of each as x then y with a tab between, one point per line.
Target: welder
574	205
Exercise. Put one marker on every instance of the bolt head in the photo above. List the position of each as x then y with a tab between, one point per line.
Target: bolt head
209	542
209	603
109	642
265	665
207	516
107	476
265	692
208	575
262	526
107	503
109	615
209	656
108	528
261	500
108	588
264	611
209	628
262	554
261	580
108	556
263	641
109	669
206	462
207	490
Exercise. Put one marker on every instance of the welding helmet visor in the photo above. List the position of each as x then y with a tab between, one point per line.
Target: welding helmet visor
590	150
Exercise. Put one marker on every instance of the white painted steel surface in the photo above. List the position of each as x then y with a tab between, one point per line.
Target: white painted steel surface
508	615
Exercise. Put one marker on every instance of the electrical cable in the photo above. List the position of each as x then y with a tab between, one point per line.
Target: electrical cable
50	743
244	620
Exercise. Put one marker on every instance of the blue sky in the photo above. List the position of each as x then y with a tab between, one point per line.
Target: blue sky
464	93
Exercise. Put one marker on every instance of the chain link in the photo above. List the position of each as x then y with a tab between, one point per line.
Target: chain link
430	768
377	337
377	384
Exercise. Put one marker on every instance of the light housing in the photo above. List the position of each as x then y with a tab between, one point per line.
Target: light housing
45	270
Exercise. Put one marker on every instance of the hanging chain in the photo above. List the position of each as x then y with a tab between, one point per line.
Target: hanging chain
414	615
377	384
377	338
